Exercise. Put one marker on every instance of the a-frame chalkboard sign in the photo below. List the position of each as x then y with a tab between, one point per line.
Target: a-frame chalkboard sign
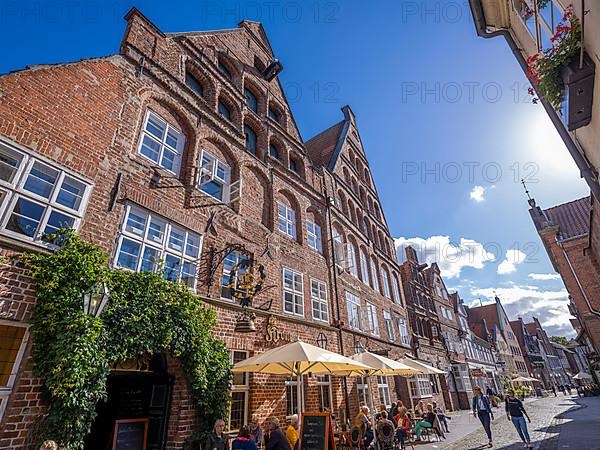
316	432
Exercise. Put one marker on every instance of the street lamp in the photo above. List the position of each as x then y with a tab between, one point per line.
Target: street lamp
95	299
359	347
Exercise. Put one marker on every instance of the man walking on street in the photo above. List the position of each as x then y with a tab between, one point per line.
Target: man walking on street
515	411
481	408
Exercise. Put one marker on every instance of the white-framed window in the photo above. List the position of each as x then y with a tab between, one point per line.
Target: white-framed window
364	268
214	179
352	267
396	287
287	220
313	235
38	198
318	295
291	397
240	386
147	239
403	330
324	388
389	326
386	283
339	252
354	311
541	24
420	386
374	272
362	386
372	322
161	142
293	292
384	391
231	260
13	340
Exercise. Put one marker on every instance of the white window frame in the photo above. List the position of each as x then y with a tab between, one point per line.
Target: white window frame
386	283
162	248
297	295
421	386
5	391
213	170
354	310
318	297
240	388
286	221
403	330
168	127
364	268
15	189
374	272
396	287
384	391
352	267
293	383
324	389
313	236
389	326
363	391
372	321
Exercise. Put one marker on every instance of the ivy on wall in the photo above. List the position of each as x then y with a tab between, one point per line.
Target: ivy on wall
74	352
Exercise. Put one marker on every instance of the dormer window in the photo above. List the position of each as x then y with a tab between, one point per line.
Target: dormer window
192	82
251	101
224	71
250	139
224	111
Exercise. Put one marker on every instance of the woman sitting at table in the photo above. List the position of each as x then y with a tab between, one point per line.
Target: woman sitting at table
363	421
420	409
427	422
404	427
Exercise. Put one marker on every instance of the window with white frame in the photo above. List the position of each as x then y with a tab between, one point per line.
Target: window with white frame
374	272
13	340
293	292
291	397
147	240
372	322
318	294
215	179
403	330
384	391
354	311
37	198
313	235
352	267
241	262
238	408
161	142
362	386
396	287
287	220
389	326
364	268
541	22
420	386
338	249
386	283
324	388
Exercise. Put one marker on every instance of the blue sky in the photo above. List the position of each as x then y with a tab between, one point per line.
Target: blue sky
430	98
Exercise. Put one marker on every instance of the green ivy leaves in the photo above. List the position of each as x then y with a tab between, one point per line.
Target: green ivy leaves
74	352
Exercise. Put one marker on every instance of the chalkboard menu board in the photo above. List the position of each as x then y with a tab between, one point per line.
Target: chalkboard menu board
130	434
316	432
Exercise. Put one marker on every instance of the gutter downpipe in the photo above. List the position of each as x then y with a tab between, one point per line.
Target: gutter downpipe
586	170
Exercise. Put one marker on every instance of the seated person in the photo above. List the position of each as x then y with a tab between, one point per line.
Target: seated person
363	421
420	409
404	427
441	416
427	422
385	430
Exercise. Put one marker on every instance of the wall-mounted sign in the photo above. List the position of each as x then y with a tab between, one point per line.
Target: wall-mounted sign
274	334
130	434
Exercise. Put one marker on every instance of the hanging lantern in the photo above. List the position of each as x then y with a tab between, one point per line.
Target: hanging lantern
95	299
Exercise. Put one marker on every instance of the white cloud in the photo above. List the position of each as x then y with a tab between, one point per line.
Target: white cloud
451	257
477	194
512	259
550	307
544	276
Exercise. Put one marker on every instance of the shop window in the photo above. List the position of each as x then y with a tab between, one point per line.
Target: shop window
362	386
291	397
238	409
324	388
384	391
161	142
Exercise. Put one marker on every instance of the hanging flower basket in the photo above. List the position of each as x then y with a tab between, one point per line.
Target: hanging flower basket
544	68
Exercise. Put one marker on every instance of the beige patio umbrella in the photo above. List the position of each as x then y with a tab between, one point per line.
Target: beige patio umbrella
522	379
582	376
422	367
296	359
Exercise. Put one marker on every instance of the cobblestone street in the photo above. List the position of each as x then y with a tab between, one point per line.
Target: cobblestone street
563	422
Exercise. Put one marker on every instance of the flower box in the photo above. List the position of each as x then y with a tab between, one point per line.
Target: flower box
578	93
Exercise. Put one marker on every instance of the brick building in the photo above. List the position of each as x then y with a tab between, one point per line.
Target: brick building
183	148
565	233
426	340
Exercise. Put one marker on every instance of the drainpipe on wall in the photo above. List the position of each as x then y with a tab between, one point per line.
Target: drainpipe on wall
586	170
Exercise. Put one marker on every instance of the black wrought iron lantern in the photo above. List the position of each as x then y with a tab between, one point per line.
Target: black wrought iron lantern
95	299
322	341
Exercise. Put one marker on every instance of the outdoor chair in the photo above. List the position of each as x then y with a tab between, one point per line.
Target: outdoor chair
385	436
356	438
